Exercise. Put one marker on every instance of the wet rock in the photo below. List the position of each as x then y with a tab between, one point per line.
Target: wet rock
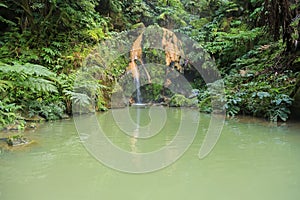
65	116
32	125
17	140
195	93
118	100
13	127
35	118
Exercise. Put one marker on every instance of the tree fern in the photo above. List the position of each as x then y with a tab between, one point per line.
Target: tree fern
22	86
28	69
5	85
31	76
37	84
79	98
7	113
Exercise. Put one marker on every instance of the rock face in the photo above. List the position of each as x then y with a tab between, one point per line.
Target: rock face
117	100
296	103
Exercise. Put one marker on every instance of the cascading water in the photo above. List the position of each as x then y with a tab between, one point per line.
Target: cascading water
137	85
136	55
136	79
173	53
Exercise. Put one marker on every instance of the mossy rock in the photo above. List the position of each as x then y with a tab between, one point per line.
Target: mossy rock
118	100
35	118
17	125
17	140
179	100
138	25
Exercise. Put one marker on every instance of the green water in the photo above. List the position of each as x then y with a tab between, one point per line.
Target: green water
252	159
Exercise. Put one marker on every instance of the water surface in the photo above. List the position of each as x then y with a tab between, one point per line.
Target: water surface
253	159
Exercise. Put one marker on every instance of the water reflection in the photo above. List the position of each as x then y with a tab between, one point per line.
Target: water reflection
252	160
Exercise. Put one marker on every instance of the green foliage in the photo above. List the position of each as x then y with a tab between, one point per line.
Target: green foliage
86	92
153	91
18	78
277	17
124	14
253	87
179	100
51	33
8	114
66	83
21	85
205	101
44	43
171	14
270	105
221	36
254	69
46	38
17	140
48	109
80	100
232	105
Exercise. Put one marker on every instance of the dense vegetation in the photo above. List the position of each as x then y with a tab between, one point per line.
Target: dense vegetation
44	42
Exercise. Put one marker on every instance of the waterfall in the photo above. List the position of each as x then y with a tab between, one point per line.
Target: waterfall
173	53
138	91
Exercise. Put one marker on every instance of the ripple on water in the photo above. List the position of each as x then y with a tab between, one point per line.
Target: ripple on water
252	160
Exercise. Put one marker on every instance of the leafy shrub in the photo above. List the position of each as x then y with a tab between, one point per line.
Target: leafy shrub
8	114
204	99
179	100
21	85
260	92
84	90
47	109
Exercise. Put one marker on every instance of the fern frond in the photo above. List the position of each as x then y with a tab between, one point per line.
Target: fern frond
4	85
37	70
40	85
28	69
3	5
34	77
79	98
